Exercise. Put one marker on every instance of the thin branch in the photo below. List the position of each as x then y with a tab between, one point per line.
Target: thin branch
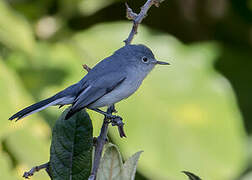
86	67
137	18
100	142
30	173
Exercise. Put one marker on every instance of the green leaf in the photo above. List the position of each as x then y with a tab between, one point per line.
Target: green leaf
71	148
129	167
247	176
28	141
111	164
5	171
28	146
191	176
112	168
15	32
14	97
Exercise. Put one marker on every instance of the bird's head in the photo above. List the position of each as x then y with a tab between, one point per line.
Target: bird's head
139	56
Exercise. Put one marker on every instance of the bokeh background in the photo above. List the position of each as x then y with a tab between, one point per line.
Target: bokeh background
194	115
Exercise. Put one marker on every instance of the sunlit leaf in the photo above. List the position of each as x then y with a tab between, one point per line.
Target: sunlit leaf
14	97
27	140
112	168
247	176
129	167
90	7
5	170
111	164
15	32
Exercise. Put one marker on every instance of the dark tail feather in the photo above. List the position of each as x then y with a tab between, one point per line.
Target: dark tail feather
35	108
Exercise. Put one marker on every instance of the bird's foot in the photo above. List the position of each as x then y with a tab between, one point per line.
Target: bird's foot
108	114
112	118
117	121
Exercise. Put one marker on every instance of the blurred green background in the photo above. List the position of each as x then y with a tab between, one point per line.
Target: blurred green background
194	115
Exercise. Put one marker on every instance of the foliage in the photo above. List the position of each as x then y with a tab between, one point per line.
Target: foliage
112	167
185	117
71	148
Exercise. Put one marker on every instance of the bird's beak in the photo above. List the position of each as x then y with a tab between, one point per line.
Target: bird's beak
162	63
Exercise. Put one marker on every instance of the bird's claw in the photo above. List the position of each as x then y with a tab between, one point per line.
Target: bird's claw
117	121
112	117
27	175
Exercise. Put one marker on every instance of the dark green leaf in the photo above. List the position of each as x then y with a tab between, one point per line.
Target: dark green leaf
129	167
71	148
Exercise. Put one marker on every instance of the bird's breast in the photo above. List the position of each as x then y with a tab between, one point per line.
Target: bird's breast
124	90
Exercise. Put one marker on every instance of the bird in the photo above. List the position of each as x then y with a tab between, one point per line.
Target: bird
111	80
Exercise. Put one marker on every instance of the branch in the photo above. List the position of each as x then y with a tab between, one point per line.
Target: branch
137	18
30	173
86	67
99	144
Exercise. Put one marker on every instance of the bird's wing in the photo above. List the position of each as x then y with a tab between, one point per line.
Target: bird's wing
96	89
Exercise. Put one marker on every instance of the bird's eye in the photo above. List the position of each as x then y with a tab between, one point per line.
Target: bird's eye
145	59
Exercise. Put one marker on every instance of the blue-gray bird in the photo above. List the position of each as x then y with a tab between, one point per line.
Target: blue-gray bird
111	80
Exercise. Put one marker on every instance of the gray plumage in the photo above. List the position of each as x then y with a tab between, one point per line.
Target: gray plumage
111	80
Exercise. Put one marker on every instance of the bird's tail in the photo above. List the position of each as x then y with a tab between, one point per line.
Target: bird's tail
54	100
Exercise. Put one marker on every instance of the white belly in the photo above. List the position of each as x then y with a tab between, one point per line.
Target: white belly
123	91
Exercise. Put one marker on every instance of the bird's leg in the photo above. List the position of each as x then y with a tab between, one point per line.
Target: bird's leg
112	109
107	115
117	122
114	120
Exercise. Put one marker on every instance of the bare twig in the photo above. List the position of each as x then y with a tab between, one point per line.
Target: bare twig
86	67
137	18
30	173
129	13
